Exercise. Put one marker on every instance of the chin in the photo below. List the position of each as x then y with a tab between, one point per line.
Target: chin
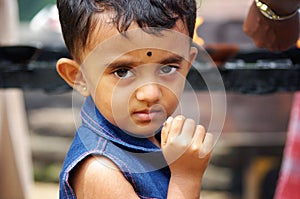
144	131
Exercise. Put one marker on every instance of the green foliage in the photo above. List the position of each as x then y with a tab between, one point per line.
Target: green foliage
46	172
28	8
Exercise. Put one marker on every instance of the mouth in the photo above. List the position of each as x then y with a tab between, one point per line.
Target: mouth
148	115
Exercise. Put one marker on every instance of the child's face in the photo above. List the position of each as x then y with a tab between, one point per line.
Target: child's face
136	81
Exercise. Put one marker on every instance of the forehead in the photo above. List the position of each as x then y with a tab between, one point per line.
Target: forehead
111	45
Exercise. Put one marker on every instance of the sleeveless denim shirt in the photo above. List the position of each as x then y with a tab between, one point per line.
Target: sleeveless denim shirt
140	161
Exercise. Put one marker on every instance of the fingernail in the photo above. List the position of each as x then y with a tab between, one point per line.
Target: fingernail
168	120
180	117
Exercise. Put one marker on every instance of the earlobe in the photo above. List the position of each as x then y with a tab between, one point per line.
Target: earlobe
70	71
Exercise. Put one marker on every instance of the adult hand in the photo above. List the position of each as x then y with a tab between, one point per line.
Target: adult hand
271	34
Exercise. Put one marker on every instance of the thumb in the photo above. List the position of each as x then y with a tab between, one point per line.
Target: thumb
165	131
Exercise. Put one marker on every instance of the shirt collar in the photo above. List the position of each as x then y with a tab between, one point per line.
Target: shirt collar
95	121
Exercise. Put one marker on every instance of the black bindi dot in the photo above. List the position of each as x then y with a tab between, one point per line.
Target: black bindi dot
149	53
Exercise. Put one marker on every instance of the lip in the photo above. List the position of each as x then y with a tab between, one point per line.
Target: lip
147	115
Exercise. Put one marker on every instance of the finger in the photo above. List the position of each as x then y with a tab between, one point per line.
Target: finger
207	145
187	131
176	127
165	130
198	138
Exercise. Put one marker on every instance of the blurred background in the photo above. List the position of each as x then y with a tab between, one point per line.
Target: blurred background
247	157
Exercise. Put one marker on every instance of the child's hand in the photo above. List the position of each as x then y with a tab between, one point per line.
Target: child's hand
186	147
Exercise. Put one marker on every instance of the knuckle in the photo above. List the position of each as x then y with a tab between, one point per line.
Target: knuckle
184	144
194	148
172	142
179	143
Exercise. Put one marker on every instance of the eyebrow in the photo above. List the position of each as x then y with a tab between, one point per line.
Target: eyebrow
123	63
120	64
172	59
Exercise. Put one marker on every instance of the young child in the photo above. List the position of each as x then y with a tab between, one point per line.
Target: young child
131	59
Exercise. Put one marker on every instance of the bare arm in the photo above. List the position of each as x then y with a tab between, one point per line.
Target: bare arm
98	177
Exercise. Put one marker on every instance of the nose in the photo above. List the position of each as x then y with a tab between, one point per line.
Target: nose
150	93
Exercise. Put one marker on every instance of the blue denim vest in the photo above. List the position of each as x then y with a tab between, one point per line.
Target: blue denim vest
140	161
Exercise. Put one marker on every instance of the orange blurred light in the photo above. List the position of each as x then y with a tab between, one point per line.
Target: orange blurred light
197	39
298	43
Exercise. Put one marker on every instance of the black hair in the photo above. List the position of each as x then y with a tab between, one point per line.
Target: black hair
76	16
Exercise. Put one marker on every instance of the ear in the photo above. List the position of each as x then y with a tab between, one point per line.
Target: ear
193	55
70	71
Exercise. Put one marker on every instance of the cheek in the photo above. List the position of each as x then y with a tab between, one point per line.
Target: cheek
113	102
171	101
103	105
103	100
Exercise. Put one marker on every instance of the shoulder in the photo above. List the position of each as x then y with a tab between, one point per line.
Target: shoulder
98	176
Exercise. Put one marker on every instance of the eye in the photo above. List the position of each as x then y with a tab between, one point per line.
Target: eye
168	69
123	73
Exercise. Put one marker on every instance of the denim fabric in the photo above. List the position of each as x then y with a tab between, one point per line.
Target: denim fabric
140	161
